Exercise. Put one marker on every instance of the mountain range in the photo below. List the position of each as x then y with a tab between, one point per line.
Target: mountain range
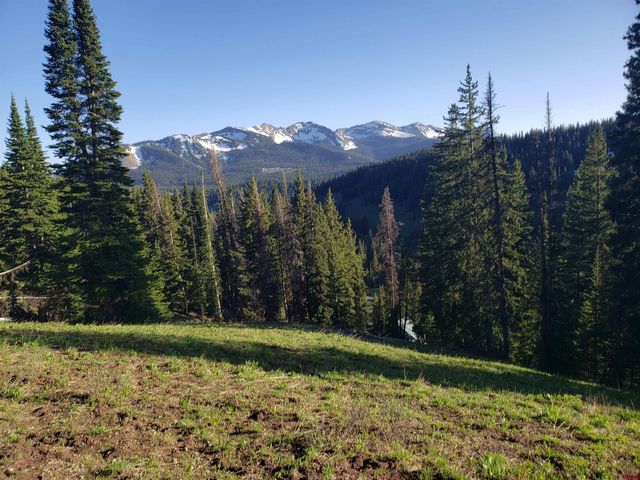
266	151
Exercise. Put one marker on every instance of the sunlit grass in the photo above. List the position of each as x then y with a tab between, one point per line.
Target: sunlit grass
234	401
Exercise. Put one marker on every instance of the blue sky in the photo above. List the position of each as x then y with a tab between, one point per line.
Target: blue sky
192	66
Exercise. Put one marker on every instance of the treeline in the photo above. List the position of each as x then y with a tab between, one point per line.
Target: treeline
257	257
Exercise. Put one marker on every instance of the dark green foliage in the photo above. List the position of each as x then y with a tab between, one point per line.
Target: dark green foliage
105	269
283	249
357	193
230	252
455	222
28	208
158	223
624	207
207	273
585	261
314	230
520	267
260	259
346	289
473	253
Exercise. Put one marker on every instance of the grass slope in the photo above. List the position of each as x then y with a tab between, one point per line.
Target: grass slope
200	401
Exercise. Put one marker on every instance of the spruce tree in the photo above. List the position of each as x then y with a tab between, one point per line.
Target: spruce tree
3	209
158	226
316	262
105	257
261	267
586	233
27	221
441	242
300	236
196	293
231	255
455	225
341	252
520	286
208	271
497	217
624	207
283	254
15	189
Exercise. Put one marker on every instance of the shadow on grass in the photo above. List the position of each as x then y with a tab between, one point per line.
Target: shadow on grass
446	371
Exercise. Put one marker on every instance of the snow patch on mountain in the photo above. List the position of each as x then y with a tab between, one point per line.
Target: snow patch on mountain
346	142
420	129
132	158
376	128
277	134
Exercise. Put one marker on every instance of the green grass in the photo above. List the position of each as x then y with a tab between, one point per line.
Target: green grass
233	401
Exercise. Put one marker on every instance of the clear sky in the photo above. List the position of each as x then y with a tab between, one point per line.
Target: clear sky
193	66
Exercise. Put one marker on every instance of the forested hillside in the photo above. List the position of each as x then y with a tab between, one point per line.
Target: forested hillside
357	193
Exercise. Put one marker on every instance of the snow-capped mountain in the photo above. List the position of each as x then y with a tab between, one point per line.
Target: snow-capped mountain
266	149
383	129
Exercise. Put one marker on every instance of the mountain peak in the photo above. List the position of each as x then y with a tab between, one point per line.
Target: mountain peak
268	146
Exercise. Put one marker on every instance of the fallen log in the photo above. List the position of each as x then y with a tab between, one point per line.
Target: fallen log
15	269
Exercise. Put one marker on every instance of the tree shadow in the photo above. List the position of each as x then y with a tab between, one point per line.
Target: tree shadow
464	373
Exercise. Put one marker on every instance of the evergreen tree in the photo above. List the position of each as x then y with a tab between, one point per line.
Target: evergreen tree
624	207
231	255
455	223
381	313
281	234
261	267
358	274
158	227
386	242
300	236
105	258
16	167
208	271
3	209
586	234
61	80
546	231
341	260
315	231
196	293
497	163
27	221
521	293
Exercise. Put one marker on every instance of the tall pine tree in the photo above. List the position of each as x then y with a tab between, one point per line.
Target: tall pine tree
105	260
624	206
586	235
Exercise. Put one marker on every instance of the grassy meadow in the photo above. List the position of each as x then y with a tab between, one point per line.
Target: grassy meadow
236	401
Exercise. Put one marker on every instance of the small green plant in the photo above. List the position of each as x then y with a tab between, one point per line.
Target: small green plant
493	466
97	430
328	472
11	391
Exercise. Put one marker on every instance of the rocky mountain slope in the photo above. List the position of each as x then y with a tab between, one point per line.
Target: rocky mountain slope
267	151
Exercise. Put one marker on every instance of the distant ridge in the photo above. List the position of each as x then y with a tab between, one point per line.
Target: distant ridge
266	150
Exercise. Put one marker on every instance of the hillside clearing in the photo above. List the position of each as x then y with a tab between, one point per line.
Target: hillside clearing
232	401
